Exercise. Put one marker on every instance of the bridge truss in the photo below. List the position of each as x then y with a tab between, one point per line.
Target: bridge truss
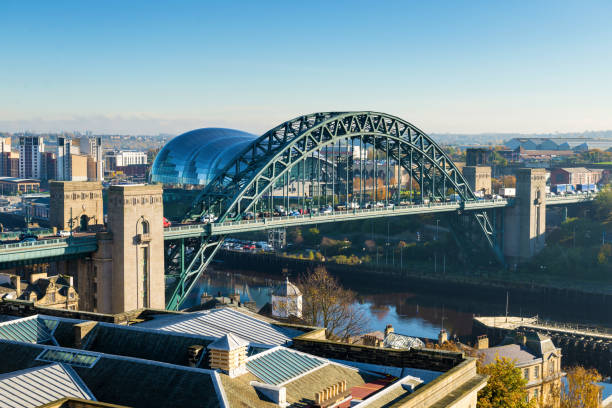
319	160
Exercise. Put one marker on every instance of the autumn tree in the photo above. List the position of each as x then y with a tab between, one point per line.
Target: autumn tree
327	304
505	387
582	390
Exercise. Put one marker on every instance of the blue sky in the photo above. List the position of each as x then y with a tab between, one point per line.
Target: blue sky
446	66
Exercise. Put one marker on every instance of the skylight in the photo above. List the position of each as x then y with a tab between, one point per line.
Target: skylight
68	357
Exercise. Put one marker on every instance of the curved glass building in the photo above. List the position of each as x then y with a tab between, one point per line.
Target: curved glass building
195	157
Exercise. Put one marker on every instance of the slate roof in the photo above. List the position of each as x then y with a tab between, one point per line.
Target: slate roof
127	381
36	386
520	355
218	322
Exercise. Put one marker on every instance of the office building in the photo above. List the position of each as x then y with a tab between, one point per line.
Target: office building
30	149
92	147
70	164
9	161
123	158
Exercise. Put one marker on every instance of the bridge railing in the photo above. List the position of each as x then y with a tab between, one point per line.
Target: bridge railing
338	214
45	242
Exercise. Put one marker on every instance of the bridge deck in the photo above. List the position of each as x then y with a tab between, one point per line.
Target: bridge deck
230	227
66	248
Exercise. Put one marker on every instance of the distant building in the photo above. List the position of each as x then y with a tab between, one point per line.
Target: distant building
121	158
575	144
49	166
92	147
56	292
30	149
575	175
71	165
536	356
5	154
13	185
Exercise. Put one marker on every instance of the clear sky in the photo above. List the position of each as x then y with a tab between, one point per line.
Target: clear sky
446	66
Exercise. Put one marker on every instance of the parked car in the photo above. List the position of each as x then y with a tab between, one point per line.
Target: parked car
63	233
29	239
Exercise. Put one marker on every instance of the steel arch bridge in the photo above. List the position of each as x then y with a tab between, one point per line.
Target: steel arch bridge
310	161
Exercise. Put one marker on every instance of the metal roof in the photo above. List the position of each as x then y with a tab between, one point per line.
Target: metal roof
219	322
281	365
30	330
40	385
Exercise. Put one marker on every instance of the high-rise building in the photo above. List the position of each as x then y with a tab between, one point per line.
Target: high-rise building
49	166
66	149
30	149
5	155
92	146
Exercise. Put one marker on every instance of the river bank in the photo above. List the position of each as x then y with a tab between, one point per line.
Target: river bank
475	294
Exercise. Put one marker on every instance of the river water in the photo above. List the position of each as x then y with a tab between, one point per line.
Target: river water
421	311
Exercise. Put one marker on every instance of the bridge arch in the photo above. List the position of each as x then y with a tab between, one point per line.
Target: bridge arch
268	161
269	158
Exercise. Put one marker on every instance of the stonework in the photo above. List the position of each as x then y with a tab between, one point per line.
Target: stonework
478	178
75	204
128	267
525	222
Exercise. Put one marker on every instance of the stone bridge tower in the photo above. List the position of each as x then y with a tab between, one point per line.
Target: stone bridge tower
525	222
128	268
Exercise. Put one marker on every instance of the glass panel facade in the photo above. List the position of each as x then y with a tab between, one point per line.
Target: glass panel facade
196	157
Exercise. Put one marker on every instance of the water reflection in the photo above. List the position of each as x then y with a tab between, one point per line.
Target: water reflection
397	309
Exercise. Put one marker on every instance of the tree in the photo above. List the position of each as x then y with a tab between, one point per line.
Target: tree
505	387
582	390
603	204
326	303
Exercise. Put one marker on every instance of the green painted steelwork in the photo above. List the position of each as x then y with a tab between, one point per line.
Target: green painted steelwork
47	250
268	163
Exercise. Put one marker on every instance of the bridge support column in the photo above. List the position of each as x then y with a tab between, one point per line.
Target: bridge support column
478	178
127	270
525	222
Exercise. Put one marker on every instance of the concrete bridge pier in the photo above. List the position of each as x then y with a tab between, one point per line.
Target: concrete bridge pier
525	222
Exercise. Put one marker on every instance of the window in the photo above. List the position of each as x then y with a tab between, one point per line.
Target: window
145	227
526	373
535	393
536	372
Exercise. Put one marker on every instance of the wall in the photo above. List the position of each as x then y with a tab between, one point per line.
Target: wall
75	199
525	222
137	252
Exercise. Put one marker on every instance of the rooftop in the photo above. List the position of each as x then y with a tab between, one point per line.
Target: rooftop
218	322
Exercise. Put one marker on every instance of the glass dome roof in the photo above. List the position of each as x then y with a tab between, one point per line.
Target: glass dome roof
195	157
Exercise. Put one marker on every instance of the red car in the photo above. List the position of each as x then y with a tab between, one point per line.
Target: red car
166	223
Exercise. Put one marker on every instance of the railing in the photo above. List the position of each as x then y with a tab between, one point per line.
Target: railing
48	243
263	223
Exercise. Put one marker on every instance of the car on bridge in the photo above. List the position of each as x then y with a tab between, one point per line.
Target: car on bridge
167	223
63	233
326	210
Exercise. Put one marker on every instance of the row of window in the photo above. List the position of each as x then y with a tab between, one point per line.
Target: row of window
536	371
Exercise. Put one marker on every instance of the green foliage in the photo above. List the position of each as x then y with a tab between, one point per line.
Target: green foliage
603	205
505	387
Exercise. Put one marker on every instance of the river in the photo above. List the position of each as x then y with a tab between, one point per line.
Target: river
412	309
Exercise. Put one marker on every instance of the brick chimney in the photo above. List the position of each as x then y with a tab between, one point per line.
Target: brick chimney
332	395
194	354
482	342
388	329
442	337
81	330
16	283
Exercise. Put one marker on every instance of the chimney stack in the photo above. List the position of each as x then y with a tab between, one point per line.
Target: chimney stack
194	354
16	283
388	329
442	337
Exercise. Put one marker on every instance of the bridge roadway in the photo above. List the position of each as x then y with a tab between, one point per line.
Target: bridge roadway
47	250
